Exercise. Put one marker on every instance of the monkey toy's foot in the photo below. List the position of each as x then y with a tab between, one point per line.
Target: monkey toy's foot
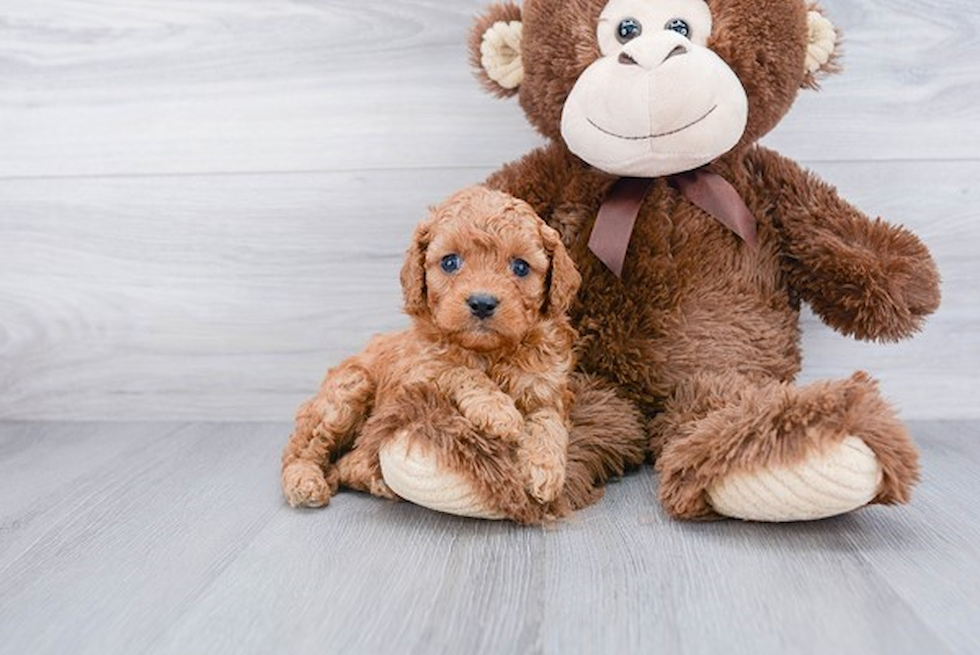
841	479
772	451
414	473
438	461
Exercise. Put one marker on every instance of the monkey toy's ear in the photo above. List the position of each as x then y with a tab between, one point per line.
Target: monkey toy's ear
495	49
822	49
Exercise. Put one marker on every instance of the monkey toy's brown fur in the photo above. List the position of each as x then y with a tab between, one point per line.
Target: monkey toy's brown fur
702	331
490	396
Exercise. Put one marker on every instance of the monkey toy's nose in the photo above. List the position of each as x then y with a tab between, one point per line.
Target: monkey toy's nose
650	52
626	60
482	305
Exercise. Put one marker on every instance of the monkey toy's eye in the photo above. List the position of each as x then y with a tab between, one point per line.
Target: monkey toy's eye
629	29
451	263
680	26
520	267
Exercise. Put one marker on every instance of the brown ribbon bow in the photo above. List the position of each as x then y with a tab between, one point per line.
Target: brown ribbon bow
711	192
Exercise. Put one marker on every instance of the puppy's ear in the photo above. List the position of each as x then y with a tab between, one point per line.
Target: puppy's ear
563	278
413	270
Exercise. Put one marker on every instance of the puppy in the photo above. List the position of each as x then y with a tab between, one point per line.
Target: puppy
480	379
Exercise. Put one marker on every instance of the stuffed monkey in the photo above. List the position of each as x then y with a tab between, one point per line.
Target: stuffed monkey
697	246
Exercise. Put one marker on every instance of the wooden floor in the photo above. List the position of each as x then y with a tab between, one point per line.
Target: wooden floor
171	538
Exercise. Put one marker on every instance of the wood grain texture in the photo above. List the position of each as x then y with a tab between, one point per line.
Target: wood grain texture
203	204
275	85
172	538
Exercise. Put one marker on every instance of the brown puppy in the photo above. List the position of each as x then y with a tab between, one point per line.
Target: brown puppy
480	379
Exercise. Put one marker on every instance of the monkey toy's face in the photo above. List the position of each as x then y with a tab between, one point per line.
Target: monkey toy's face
648	88
658	100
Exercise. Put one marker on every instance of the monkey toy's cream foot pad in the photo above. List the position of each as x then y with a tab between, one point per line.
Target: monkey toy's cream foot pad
414	474
842	479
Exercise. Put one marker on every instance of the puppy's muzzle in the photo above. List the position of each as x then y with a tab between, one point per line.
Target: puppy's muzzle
482	305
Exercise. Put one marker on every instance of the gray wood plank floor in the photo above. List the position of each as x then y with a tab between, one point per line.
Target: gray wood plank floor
172	538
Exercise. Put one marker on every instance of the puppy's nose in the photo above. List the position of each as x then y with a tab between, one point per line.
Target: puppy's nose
482	305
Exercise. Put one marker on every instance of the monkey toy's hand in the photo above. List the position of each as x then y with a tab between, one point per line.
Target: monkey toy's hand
864	277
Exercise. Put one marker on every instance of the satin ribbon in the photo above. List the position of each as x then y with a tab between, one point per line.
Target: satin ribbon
709	191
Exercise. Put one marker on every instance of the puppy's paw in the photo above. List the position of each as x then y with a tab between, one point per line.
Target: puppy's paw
546	481
305	485
379	488
360	469
498	418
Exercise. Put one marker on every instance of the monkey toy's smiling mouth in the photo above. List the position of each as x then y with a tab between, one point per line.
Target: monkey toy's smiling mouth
652	136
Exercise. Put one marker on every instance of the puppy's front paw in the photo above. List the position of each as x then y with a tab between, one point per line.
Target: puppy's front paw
305	485
499	419
546	481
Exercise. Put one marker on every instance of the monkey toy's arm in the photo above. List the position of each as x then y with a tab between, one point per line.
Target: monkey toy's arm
863	277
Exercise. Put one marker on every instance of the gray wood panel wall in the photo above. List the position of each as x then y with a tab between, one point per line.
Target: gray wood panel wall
203	204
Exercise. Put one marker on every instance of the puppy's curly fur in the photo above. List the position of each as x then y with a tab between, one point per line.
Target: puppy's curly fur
485	388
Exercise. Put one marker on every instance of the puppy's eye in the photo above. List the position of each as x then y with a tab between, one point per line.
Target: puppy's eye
451	263
680	26
520	267
629	29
